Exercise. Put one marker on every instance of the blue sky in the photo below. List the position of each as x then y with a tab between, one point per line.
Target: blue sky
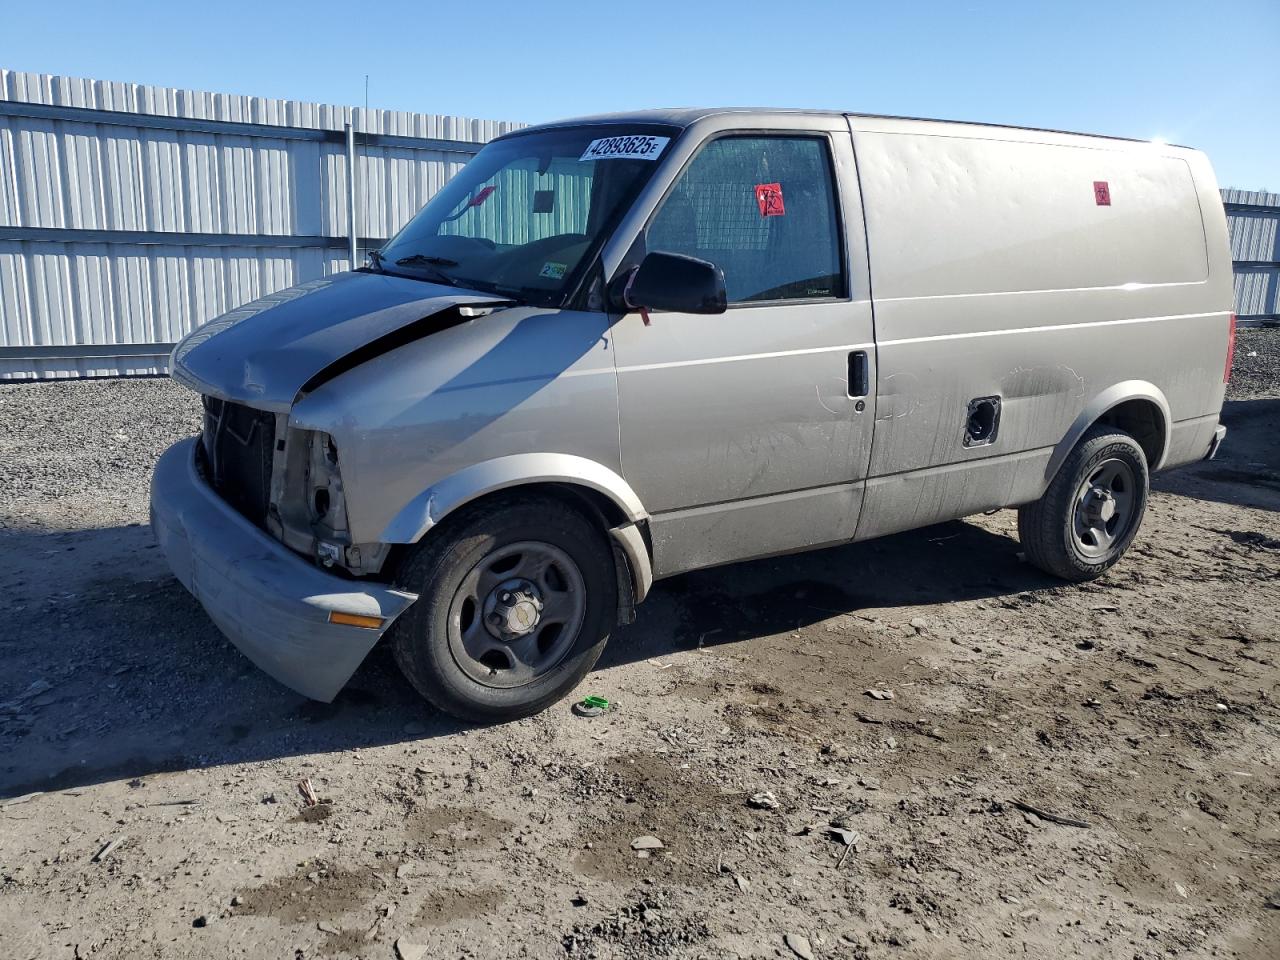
1202	74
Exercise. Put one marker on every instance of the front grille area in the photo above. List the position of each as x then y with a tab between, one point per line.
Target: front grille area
237	447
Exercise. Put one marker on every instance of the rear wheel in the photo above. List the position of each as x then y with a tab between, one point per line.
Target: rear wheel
1091	512
516	597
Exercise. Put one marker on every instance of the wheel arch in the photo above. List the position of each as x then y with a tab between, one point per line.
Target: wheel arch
470	483
604	495
1135	406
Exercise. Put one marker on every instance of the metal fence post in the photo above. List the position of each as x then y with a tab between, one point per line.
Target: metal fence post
351	194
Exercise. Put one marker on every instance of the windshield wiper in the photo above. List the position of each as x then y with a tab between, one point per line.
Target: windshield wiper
418	258
430	263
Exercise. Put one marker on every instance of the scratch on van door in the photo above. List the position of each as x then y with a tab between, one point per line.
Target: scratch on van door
1079	392
890	403
756	478
818	390
1022	382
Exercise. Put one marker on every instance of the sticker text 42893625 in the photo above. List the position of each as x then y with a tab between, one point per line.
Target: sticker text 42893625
625	148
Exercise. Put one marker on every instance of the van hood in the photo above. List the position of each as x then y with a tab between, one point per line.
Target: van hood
263	353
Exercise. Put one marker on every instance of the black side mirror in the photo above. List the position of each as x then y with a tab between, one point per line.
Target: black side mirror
675	283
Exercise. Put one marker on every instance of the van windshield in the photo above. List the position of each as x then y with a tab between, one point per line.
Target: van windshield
527	215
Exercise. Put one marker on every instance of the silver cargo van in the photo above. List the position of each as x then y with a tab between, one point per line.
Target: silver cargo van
614	349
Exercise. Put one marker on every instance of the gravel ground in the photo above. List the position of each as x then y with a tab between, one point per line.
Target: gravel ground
166	820
78	454
1256	371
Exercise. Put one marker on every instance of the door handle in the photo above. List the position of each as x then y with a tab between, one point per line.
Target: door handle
859	374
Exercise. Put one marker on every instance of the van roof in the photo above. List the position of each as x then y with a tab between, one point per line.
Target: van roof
684	116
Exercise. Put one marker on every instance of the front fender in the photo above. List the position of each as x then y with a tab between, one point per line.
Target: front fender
443	497
1108	399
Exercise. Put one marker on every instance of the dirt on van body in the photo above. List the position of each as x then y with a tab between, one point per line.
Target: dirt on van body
1087	771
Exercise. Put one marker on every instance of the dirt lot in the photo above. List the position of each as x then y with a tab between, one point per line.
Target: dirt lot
152	770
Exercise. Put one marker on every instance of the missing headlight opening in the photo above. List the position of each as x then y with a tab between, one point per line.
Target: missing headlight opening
308	511
324	479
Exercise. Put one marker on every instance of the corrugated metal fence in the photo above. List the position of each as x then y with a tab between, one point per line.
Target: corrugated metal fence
1253	217
131	214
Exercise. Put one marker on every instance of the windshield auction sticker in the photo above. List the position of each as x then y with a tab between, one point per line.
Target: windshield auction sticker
625	148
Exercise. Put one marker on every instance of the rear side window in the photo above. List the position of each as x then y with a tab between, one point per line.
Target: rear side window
763	209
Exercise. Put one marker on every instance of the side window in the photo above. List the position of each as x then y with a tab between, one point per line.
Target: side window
762	209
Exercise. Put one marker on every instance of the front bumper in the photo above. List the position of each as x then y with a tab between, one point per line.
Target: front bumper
272	604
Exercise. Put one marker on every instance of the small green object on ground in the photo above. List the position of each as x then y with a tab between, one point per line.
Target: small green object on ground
591	706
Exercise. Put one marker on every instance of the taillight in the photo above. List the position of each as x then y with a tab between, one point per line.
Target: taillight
1231	349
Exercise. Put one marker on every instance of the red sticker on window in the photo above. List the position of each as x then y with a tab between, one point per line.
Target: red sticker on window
482	196
769	198
1102	193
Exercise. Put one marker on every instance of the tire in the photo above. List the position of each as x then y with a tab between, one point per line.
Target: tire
483	576
1067	532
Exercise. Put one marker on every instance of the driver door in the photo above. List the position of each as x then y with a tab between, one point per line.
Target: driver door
748	433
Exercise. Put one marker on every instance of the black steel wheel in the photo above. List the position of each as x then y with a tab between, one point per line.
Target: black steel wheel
515	614
516	598
1091	511
1104	505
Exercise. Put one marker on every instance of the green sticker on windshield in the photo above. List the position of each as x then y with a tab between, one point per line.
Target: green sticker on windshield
553	271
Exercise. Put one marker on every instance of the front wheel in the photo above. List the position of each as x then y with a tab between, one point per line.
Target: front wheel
1090	514
516	597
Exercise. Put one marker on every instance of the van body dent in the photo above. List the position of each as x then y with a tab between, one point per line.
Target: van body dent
619	348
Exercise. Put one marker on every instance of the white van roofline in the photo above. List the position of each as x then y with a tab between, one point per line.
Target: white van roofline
760	116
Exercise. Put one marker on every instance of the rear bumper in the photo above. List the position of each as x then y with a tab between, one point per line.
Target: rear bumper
273	605
1219	434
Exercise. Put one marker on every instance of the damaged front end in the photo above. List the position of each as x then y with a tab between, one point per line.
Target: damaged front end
300	624
253	515
252	365
286	482
309	506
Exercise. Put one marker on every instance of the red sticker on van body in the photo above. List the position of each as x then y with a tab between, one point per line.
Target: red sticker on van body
1102	193
769	198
